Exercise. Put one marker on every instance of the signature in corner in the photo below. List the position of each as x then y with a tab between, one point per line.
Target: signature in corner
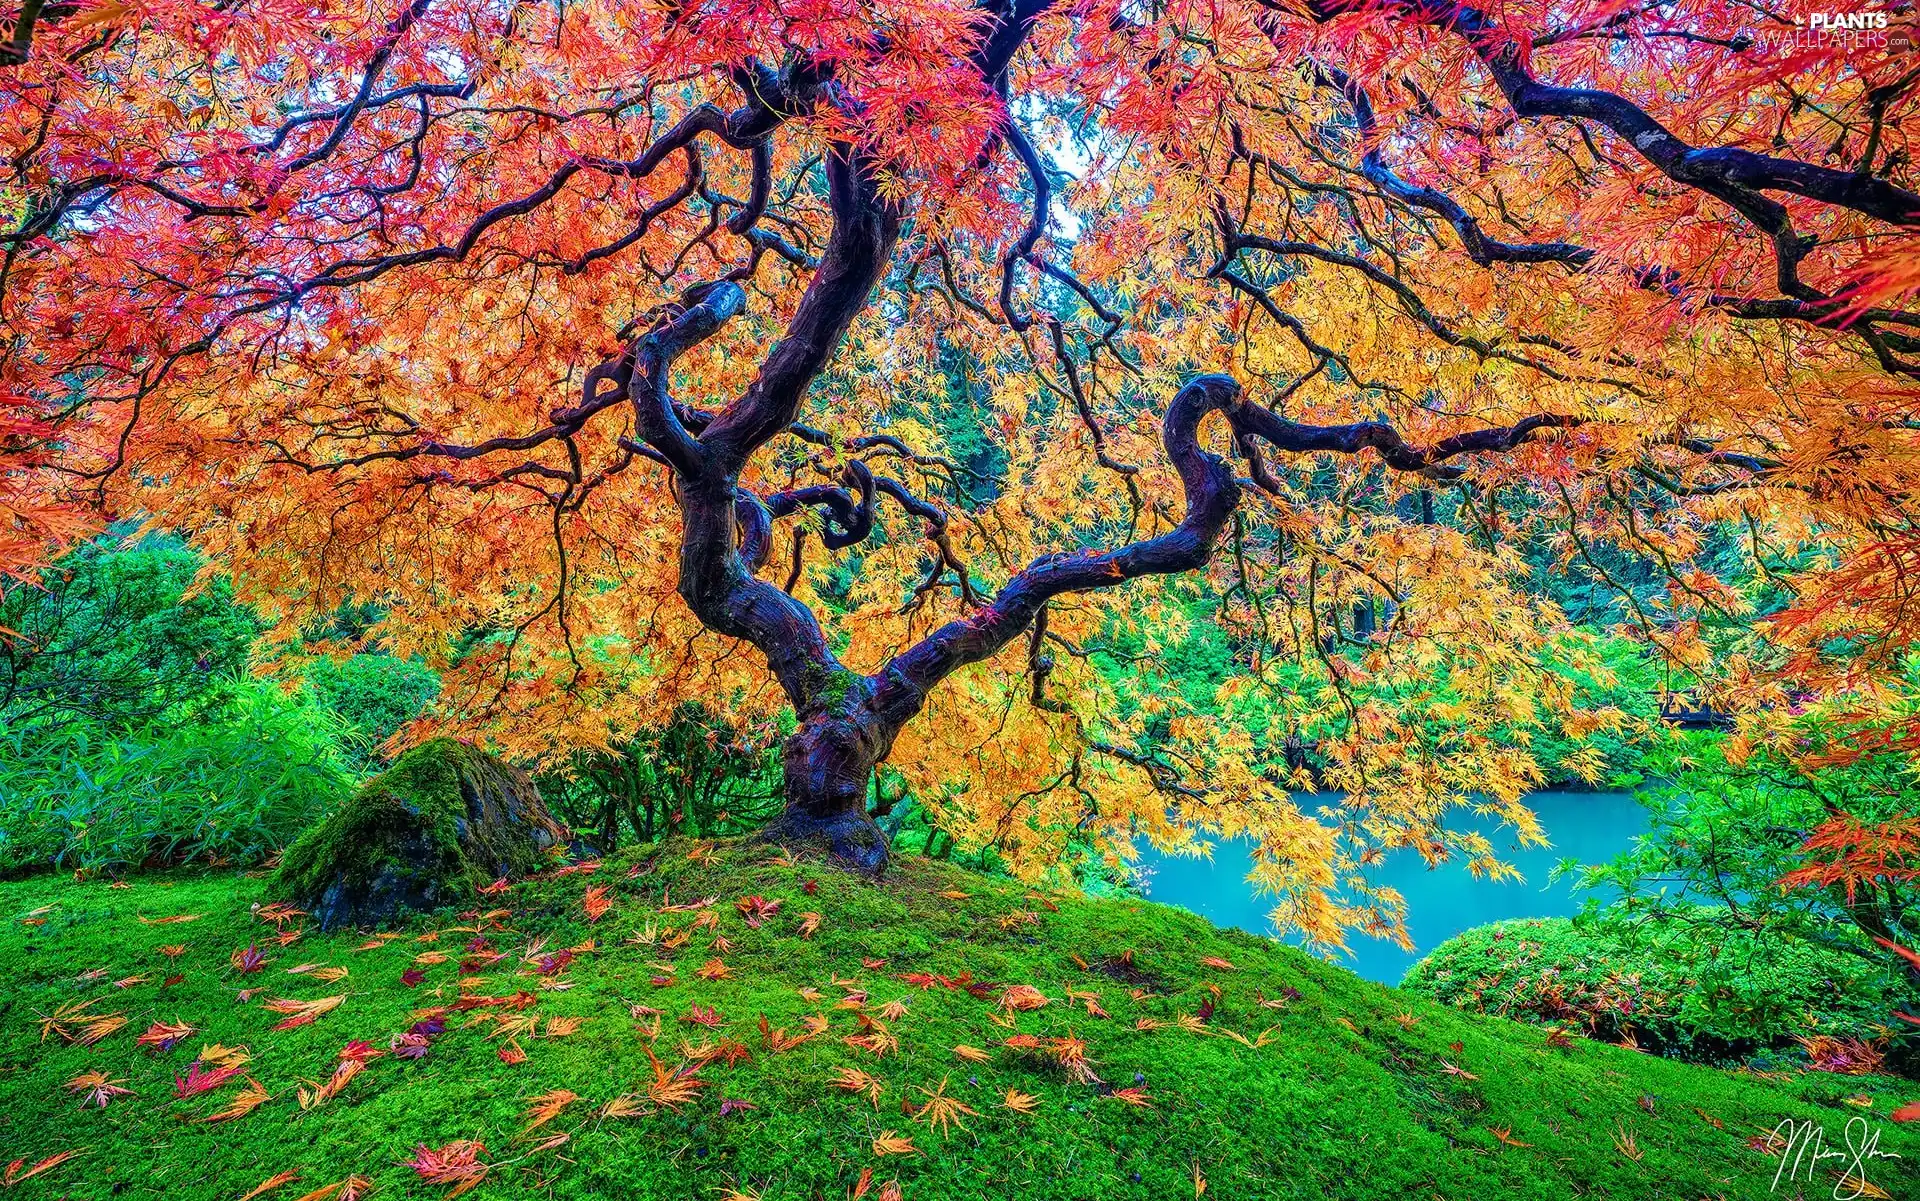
1806	1149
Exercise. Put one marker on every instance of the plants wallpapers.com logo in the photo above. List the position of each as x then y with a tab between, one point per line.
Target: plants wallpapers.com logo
1863	30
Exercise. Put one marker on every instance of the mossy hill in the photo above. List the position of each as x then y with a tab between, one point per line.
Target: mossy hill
1165	1047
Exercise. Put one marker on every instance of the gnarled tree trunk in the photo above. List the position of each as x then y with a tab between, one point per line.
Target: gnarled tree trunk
848	721
828	769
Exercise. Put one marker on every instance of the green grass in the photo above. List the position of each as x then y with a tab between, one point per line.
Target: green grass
1348	1096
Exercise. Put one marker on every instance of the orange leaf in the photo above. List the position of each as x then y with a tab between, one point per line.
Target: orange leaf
271	1183
14	1175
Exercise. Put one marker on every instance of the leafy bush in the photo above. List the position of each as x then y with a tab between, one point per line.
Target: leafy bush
233	787
697	773
1738	842
374	694
119	635
1666	988
130	733
1729	821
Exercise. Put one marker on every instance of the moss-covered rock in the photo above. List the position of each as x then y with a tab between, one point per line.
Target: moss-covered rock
1693	990
446	819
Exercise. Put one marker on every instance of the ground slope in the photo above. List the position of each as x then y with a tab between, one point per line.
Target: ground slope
1269	1073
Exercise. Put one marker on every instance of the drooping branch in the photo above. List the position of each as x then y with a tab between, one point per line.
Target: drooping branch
770	98
1738	178
1473	239
1804	304
369	79
1410	301
1021	249
1212	494
1731	174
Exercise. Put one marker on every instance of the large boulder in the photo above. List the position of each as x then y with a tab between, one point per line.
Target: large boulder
445	820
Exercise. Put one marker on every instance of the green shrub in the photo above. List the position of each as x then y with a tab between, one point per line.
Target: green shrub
119	636
374	694
1671	989
130	733
1728	826
695	773
233	786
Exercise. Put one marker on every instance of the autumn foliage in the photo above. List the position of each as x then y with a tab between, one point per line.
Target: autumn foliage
602	344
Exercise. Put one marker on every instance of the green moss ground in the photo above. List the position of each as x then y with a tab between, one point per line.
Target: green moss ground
1345	1099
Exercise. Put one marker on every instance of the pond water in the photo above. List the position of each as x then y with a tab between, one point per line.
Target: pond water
1442	901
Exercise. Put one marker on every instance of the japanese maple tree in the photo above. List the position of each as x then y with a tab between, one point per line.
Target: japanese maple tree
639	336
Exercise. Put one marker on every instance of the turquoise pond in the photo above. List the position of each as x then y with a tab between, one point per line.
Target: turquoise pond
1441	902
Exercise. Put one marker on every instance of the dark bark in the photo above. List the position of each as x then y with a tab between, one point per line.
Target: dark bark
1733	175
724	528
828	765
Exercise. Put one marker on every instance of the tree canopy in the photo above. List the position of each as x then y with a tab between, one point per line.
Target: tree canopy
844	357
